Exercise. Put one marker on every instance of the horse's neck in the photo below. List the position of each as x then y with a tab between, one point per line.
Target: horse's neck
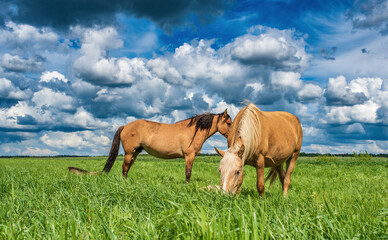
208	133
213	129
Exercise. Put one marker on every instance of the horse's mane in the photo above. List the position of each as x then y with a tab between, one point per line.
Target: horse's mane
247	126
203	122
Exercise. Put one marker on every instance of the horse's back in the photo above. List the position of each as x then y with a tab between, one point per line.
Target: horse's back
282	132
158	139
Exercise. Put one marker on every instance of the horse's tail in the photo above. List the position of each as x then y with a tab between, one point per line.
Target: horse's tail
271	175
114	151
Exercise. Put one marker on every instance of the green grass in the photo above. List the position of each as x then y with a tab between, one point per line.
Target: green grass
342	199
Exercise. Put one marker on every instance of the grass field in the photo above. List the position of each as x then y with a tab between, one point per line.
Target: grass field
329	198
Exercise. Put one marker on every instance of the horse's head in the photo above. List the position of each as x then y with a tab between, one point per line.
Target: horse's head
232	168
223	123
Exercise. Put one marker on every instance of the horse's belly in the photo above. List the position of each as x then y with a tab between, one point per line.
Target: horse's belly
275	161
162	153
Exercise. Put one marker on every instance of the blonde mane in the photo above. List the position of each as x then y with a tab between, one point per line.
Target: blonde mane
248	128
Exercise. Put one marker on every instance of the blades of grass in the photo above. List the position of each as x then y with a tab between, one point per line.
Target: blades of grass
253	219
106	228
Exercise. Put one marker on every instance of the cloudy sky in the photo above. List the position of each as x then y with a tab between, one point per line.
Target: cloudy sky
72	72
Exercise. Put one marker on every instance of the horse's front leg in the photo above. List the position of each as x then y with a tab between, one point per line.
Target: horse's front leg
189	159
129	159
260	165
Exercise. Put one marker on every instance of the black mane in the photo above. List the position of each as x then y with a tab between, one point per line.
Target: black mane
203	122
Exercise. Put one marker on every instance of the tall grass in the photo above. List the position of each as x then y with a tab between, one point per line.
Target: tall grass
342	199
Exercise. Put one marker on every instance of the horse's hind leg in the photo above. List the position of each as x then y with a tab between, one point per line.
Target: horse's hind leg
290	165
281	174
129	159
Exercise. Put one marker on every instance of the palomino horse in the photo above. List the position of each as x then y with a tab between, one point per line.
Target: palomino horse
167	141
260	139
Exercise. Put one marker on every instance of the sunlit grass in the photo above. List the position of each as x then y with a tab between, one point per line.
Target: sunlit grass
341	199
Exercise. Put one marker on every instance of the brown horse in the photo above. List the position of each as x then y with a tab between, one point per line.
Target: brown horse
183	139
260	139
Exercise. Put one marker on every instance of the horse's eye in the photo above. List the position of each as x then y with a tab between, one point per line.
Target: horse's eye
238	172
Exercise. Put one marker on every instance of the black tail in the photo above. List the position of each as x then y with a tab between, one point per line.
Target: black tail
272	176
114	150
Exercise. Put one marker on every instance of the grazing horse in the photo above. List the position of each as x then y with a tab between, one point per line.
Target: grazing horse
260	139
183	139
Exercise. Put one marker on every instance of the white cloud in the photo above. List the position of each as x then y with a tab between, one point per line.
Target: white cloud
10	91
48	97
277	49
355	128
178	115
96	66
8	116
364	113
221	106
104	96
310	91
361	146
311	131
360	100
35	151
368	86
77	140
286	80
162	69
64	140
53	76
200	63
27	36
197	65
84	119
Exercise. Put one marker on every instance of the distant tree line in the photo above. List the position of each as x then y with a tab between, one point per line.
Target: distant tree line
302	154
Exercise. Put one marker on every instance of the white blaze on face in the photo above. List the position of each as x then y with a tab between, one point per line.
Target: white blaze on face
225	179
227	162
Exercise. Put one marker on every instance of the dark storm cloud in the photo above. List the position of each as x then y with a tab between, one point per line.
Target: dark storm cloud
58	86
7	137
338	93
7	103
369	132
17	64
350	99
266	96
198	103
370	14
382	114
364	50
328	54
61	14
26	120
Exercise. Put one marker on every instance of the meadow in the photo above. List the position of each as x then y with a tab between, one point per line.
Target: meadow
329	198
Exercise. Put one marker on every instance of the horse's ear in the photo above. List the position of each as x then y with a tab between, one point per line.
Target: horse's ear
239	141
220	152
225	113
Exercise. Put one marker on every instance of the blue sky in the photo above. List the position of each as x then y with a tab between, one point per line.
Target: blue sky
72	72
